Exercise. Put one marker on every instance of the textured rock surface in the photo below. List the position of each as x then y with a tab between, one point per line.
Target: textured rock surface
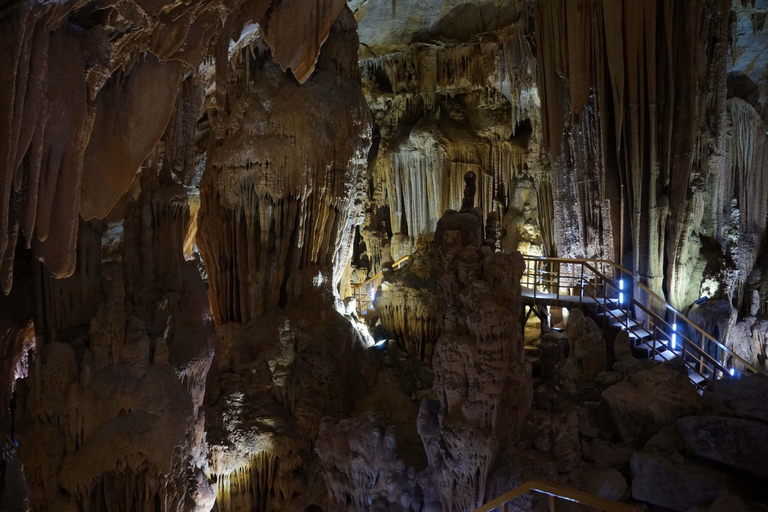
482	379
113	408
677	485
155	152
649	400
406	303
90	88
361	467
587	347
738	398
739	444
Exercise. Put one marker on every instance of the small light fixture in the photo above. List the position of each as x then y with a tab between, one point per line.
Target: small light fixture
621	294
380	342
732	371
674	337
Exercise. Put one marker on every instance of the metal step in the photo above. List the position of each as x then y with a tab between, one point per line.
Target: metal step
613	313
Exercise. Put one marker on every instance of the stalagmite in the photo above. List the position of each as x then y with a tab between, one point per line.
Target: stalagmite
482	379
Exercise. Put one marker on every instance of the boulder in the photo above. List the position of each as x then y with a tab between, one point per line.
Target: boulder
607	483
587	356
566	447
737	443
664	482
649	400
606	455
740	398
727	502
665	441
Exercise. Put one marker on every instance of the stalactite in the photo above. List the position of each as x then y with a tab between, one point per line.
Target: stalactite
248	487
273	215
407	305
743	189
83	97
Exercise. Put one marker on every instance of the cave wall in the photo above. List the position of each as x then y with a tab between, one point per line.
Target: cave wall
188	344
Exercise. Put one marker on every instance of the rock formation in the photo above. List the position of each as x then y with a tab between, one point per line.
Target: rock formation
406	303
111	415
482	379
190	191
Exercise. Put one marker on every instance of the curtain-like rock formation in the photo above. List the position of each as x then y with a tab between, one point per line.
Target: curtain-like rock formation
280	198
89	90
406	303
447	108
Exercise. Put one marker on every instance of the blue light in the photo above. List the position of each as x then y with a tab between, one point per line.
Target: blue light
621	298
380	342
373	295
674	337
732	372
621	284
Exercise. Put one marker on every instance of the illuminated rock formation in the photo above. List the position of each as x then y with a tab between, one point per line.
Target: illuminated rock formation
406	303
444	109
188	191
482	378
282	190
361	467
110	415
280	197
90	88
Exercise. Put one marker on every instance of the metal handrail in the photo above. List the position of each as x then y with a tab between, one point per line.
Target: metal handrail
555	491
687	345
655	326
701	331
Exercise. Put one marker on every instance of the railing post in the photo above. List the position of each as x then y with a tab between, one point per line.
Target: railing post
581	285
605	307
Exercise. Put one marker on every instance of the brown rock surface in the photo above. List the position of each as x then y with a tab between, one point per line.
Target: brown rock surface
649	400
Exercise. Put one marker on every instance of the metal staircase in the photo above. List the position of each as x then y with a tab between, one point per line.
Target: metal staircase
655	328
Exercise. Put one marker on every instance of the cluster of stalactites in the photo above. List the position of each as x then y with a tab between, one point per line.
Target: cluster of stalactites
284	182
247	487
409	315
743	188
495	62
86	103
653	95
424	177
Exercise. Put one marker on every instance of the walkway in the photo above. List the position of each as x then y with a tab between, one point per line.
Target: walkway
656	329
